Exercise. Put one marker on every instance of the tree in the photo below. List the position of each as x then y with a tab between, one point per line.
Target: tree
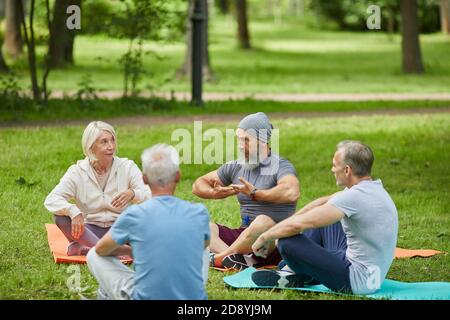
242	21
30	43
29	38
390	10
3	66
2	9
411	54
445	16
47	62
186	68
62	39
224	6
13	37
142	20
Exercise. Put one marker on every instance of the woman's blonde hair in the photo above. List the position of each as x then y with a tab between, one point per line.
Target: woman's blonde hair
92	133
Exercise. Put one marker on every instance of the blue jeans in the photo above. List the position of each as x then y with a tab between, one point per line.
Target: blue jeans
90	236
318	256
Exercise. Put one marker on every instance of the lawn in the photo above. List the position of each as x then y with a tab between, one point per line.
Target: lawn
23	110
287	58
412	156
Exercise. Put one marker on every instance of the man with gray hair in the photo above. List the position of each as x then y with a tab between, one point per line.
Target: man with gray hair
345	241
267	189
159	233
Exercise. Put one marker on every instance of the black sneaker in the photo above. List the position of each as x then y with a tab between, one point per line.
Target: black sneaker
277	279
235	261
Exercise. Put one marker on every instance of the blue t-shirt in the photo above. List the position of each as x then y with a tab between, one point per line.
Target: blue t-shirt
167	236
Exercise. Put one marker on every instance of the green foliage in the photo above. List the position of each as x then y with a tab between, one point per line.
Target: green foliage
97	16
86	92
134	19
132	64
141	20
289	58
10	93
352	15
9	86
429	16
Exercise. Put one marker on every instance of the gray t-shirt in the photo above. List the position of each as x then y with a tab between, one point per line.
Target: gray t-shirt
371	226
265	176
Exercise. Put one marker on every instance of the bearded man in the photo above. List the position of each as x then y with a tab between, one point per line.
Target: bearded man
266	186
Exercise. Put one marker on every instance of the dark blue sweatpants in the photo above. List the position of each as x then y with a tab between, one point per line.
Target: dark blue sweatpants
318	255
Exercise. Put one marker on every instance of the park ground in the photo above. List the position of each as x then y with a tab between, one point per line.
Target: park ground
412	156
410	138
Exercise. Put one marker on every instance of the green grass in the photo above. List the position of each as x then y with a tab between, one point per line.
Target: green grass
24	110
287	58
412	157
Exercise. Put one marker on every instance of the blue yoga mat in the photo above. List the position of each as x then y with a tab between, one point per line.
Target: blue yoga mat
390	289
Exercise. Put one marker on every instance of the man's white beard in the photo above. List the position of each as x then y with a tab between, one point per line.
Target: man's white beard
251	164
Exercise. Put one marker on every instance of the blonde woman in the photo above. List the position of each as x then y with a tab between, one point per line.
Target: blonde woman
94	191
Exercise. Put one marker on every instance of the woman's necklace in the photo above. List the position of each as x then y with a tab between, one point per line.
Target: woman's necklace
99	171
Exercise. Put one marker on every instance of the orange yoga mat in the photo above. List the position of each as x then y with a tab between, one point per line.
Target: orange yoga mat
401	253
58	245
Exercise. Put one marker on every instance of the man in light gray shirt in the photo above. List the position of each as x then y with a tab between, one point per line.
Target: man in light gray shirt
345	241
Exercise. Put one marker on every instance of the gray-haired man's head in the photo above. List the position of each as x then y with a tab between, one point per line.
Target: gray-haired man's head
354	155
160	165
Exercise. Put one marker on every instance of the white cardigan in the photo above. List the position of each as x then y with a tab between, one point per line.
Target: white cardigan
80	184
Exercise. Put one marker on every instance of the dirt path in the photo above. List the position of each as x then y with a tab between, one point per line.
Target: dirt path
284	97
147	121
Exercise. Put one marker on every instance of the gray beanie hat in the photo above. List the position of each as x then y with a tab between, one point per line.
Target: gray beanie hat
258	126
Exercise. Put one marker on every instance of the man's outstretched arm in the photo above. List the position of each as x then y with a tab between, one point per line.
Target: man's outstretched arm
316	203
318	217
286	191
209	186
106	246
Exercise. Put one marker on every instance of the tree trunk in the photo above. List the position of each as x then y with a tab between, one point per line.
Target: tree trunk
3	66
47	69
2	9
445	16
391	20
278	13
186	68
241	15
29	41
411	54
224	6
62	39
296	7
13	37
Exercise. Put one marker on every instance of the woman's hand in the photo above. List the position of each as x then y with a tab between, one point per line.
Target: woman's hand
122	199
77	226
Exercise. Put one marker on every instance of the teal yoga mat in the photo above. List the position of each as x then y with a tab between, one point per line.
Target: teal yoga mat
390	289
